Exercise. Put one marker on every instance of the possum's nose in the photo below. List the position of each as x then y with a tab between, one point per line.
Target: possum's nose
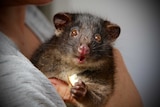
83	49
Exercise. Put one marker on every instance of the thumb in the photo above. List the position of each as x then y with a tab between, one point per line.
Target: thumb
56	81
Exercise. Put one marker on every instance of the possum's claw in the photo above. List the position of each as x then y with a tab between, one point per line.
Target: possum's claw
79	90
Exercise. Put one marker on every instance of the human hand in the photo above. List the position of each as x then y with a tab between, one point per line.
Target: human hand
63	89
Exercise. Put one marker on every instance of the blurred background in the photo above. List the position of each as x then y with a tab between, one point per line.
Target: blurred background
138	41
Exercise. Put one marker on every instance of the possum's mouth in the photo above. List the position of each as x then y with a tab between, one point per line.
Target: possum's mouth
81	59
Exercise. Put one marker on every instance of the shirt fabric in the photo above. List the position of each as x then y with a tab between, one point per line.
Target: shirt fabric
22	84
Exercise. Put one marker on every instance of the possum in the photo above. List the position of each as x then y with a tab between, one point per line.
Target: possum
82	46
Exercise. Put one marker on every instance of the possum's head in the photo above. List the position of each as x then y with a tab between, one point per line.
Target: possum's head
84	37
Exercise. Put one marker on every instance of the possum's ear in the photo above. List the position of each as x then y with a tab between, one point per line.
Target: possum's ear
113	30
61	19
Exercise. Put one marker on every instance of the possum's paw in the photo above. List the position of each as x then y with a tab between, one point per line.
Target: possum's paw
79	90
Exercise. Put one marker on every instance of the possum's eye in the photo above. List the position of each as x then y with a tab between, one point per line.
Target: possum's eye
74	32
98	37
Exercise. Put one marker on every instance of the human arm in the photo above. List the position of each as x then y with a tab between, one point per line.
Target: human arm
125	94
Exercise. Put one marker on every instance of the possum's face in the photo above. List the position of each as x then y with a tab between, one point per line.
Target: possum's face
85	38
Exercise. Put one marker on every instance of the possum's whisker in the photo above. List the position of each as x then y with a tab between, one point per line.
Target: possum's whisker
69	44
103	45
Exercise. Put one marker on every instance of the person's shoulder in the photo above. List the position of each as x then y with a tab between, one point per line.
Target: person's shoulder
24	84
12	65
7	46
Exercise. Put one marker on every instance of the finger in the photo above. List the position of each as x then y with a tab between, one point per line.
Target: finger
56	81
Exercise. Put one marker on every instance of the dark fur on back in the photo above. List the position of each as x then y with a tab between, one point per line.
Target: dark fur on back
83	46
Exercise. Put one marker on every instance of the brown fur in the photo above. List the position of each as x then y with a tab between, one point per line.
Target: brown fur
58	57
